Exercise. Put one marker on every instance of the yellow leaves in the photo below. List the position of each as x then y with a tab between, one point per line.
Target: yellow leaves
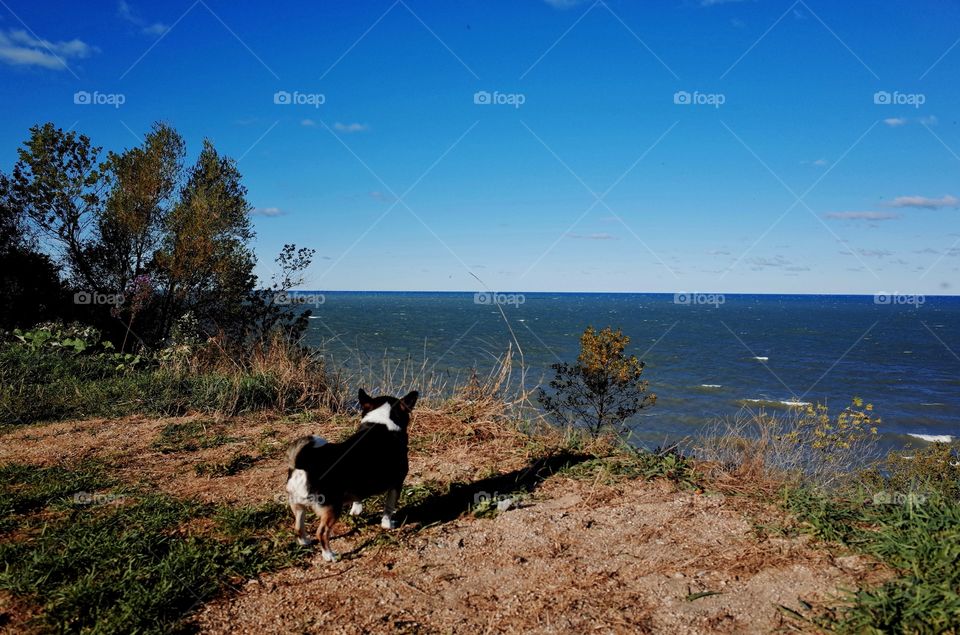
602	352
832	435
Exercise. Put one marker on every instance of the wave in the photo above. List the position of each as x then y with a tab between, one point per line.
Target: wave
778	403
760	358
711	386
932	438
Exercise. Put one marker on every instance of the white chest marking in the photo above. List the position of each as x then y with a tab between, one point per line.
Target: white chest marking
381	415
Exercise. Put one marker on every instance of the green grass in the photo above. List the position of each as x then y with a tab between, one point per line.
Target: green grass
133	565
632	464
237	463
25	489
49	385
189	436
921	542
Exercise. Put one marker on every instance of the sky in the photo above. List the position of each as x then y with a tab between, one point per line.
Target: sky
753	146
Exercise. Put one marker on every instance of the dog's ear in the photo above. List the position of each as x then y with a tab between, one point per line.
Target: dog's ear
366	401
410	400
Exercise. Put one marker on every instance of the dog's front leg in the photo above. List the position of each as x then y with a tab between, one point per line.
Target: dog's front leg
389	508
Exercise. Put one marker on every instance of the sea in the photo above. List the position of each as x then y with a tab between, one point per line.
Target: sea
708	356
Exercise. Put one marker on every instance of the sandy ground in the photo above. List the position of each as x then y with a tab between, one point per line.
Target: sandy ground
572	556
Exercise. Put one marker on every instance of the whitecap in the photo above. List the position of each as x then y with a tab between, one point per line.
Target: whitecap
761	359
932	438
790	403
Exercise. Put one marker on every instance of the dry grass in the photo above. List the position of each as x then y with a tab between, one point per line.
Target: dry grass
757	449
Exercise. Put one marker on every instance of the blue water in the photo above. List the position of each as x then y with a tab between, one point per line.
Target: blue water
700	359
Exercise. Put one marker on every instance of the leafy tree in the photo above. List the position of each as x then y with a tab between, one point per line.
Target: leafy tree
603	388
171	241
58	184
29	280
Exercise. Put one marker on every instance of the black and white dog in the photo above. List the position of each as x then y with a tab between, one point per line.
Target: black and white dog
323	476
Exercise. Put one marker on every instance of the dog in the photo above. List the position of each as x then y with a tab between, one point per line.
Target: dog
323	476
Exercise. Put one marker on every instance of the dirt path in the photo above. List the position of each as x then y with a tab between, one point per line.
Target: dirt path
574	556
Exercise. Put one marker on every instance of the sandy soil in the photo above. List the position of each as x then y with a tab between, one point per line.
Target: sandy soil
572	556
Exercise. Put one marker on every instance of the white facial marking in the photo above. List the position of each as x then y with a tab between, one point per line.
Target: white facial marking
381	415
356	509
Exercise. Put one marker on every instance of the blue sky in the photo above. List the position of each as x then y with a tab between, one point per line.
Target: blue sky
782	175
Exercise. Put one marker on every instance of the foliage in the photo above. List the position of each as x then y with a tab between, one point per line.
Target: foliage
930	472
29	280
132	564
57	372
808	446
921	542
831	435
143	238
603	388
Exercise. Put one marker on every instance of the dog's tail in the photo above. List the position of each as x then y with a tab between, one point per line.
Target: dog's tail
293	450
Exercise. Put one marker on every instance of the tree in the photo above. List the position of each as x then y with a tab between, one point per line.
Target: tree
170	241
29	280
603	388
57	184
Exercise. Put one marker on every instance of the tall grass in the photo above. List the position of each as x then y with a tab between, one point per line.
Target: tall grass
48	382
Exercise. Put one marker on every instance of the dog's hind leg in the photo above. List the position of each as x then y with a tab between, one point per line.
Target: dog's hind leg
389	508
299	526
328	518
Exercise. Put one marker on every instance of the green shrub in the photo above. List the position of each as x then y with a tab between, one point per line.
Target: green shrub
920	540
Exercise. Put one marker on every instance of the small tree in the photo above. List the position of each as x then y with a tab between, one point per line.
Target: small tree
604	388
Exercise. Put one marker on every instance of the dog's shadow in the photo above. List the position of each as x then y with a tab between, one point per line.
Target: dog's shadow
461	498
464	497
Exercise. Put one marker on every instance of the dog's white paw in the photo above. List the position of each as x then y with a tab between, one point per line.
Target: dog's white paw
329	556
305	542
388	523
356	509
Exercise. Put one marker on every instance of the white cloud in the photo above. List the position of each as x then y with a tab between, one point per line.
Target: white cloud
126	12
895	122
350	127
269	212
19	48
872	216
309	123
930	120
925	202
